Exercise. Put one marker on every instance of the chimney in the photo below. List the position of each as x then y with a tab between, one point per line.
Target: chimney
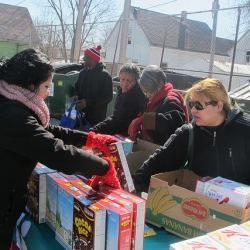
182	30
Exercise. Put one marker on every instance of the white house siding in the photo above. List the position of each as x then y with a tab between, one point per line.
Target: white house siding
138	49
242	47
177	58
220	71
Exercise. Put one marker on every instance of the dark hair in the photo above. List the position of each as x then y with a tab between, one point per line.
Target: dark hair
132	69
26	68
151	77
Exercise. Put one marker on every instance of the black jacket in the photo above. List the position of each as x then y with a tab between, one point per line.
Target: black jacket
224	153
96	87
127	106
169	117
23	143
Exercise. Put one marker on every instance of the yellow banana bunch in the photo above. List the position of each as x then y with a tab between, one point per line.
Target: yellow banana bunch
160	200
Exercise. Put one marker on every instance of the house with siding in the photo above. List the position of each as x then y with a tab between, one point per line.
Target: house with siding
185	40
17	31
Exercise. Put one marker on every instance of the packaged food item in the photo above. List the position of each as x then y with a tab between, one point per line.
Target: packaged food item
200	184
119	226
89	225
53	180
64	213
36	203
121	166
228	191
202	243
126	143
233	237
139	210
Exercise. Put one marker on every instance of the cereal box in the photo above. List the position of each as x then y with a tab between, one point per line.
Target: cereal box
204	242
126	143
120	162
52	182
119	223
64	213
227	191
233	237
79	183
138	217
200	184
246	225
89	225
36	203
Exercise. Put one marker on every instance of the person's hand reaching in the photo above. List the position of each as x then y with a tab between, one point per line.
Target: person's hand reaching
134	127
110	178
100	141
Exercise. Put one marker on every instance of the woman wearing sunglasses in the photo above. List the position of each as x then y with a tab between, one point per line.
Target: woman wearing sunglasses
221	139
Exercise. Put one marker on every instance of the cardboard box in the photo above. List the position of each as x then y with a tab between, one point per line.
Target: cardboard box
228	191
201	243
139	209
89	225
233	237
64	213
119	226
141	152
36	203
121	166
53	180
173	204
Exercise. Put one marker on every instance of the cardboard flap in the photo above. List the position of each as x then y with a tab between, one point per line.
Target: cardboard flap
142	145
182	178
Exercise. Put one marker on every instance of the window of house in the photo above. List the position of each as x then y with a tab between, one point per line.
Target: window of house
135	61
129	40
164	65
129	31
248	57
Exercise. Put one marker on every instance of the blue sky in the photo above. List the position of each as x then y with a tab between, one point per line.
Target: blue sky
226	23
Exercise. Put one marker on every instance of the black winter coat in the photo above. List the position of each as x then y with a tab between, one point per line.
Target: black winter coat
169	117
224	153
127	106
23	143
96	87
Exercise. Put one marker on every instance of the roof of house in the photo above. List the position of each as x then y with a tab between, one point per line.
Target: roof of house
16	25
198	35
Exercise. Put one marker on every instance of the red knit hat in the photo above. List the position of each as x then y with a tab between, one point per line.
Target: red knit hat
94	53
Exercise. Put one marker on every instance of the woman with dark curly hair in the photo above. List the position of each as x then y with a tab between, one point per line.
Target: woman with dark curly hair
26	137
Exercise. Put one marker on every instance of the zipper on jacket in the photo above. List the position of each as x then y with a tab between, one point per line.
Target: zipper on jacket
231	156
214	139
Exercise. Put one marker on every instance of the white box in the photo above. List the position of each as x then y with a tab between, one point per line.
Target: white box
200	184
233	237
227	191
201	243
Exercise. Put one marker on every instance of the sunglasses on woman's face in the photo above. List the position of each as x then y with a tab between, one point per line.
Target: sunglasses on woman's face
198	105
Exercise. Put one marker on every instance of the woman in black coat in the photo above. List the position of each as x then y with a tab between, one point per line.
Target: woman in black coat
130	101
26	137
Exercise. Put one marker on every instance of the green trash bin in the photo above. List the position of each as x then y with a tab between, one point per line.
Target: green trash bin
111	105
62	90
242	96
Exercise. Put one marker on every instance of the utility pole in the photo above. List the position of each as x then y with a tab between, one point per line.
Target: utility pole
78	34
124	32
215	8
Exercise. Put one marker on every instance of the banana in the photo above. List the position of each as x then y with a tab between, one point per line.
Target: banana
165	206
151	197
164	200
159	196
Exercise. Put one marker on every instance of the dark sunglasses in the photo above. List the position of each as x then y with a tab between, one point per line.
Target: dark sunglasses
198	105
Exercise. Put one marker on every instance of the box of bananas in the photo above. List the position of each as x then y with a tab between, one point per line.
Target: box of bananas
173	204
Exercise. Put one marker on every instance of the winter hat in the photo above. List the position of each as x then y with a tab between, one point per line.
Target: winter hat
94	53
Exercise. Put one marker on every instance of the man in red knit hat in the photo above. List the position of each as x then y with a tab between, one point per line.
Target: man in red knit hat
94	87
